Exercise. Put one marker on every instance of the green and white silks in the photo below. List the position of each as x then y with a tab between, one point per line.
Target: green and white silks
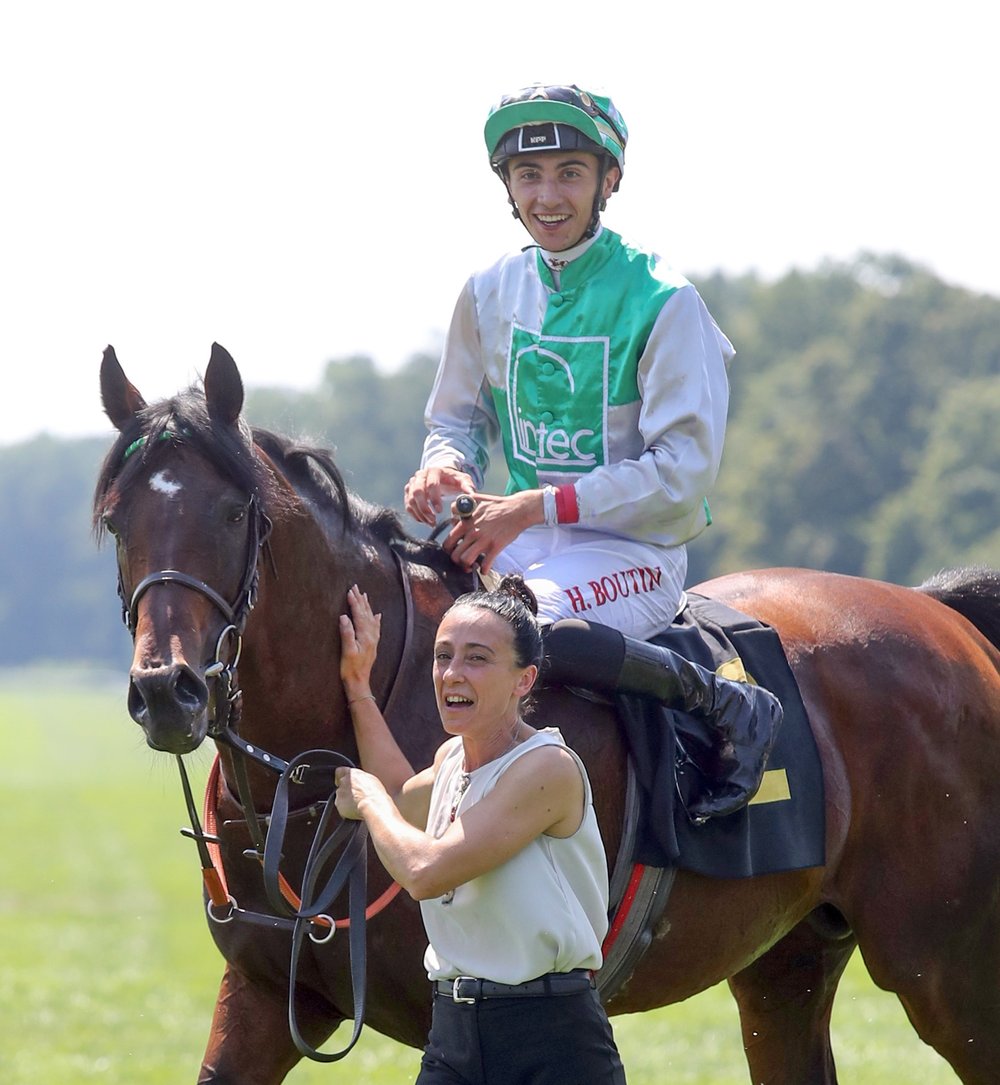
599	367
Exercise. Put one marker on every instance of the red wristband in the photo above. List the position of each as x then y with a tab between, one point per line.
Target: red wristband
567	510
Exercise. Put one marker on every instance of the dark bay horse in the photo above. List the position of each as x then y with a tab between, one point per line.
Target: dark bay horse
902	687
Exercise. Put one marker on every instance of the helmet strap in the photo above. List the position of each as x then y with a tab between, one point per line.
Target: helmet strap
599	201
513	206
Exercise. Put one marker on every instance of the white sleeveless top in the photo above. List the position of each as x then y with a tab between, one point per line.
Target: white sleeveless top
544	910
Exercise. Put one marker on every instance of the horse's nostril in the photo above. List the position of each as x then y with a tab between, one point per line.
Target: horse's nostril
159	693
137	707
190	689
170	704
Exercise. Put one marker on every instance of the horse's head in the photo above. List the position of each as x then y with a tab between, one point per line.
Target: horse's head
182	493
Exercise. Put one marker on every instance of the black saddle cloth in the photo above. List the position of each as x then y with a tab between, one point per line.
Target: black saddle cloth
782	828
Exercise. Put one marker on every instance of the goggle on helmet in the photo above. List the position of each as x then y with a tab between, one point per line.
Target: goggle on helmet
549	118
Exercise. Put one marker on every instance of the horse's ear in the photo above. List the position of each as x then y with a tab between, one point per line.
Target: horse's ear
223	387
122	401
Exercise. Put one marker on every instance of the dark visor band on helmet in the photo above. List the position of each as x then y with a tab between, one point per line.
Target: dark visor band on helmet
543	137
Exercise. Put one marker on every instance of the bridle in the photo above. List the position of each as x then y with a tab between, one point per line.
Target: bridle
301	915
220	671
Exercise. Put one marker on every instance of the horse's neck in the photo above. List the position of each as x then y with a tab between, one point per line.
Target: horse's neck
290	671
293	696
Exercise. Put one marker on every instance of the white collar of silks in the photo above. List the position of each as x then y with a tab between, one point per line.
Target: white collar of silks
557	261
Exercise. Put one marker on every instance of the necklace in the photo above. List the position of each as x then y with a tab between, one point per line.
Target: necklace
463	785
465	778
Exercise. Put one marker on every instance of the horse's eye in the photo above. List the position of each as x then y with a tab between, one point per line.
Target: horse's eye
237	515
109	526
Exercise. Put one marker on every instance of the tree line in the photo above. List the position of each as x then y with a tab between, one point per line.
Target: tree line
863	439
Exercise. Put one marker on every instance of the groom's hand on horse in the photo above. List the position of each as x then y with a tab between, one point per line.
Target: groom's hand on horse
424	494
359	637
495	522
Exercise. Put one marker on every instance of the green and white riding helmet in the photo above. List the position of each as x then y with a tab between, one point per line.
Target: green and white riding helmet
557	118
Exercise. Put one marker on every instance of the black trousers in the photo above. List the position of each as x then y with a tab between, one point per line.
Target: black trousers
549	1040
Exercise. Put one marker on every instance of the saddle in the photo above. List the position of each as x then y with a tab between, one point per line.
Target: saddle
678	766
707	801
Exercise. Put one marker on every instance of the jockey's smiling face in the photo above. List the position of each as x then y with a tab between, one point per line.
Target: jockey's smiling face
554	193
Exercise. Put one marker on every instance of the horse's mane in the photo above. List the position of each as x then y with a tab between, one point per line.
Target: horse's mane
974	591
309	470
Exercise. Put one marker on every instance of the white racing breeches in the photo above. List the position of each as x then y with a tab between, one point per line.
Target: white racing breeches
631	586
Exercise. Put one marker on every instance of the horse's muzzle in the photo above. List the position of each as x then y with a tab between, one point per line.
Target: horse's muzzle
170	704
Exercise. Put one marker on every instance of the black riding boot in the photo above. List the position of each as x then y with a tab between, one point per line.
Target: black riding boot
738	721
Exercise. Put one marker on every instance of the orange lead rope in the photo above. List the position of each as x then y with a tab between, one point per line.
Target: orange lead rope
214	874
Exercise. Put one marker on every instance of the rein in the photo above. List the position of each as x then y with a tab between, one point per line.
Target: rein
301	914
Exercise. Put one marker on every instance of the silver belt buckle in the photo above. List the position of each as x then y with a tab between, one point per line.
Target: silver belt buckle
455	996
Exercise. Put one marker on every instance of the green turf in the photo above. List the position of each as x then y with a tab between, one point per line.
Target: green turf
107	970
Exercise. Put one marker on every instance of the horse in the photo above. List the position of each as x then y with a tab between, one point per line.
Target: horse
901	685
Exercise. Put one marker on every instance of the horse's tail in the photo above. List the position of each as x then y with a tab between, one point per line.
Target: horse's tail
974	592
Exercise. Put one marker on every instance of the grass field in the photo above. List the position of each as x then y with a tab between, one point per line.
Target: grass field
107	971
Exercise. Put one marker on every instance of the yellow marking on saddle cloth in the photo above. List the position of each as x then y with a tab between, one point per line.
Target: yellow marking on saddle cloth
773	788
734	671
774	785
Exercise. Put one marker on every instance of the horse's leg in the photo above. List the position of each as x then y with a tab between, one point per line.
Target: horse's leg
250	1043
948	990
785	999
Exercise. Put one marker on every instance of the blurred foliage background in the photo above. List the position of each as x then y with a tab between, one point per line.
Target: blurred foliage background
863	439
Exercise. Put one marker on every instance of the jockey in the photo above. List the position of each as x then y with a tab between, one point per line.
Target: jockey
604	377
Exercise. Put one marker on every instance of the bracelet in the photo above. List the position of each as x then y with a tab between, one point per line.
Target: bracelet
357	700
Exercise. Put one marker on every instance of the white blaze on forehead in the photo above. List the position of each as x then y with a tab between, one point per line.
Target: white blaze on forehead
162	483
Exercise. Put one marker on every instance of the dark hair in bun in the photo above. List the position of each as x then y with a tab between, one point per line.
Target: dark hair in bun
514	602
515	586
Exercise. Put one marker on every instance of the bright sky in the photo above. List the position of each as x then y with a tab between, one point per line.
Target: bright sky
302	181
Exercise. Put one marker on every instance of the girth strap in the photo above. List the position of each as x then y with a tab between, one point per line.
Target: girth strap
639	896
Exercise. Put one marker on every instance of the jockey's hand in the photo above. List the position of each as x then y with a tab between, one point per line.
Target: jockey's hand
495	523
359	637
424	494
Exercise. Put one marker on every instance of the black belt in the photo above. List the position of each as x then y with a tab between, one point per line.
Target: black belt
470	989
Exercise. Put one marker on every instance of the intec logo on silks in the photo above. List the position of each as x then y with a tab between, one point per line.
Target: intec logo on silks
557	401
